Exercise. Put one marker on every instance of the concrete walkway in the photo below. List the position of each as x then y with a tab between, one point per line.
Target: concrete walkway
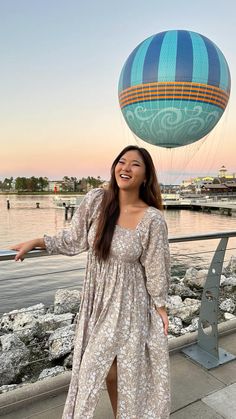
196	392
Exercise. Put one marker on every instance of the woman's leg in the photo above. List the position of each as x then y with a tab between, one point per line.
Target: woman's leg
111	381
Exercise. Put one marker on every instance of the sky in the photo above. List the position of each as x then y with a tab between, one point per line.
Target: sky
59	72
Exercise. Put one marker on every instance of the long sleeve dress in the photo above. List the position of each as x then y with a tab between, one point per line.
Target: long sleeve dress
117	316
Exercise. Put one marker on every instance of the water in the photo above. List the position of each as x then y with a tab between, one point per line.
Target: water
36	280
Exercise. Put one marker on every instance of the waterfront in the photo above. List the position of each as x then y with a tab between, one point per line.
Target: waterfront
36	280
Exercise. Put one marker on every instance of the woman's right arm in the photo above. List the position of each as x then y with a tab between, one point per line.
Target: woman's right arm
25	247
69	241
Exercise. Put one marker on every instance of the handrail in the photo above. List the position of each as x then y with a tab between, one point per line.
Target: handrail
203	236
10	254
206	352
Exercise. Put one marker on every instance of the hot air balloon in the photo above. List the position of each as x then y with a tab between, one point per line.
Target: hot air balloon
174	88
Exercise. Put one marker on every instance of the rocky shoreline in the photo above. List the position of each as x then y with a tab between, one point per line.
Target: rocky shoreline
37	342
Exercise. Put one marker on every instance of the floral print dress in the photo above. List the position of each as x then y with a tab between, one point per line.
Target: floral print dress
117	316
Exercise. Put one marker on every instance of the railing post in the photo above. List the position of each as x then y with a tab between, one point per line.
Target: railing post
207	352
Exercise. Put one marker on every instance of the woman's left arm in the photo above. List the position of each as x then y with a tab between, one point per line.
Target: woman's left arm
156	261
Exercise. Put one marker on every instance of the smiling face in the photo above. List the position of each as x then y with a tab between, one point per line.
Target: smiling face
130	171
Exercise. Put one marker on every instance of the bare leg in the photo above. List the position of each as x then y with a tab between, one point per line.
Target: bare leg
111	381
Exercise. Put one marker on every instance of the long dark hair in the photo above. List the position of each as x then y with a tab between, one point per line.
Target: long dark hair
149	193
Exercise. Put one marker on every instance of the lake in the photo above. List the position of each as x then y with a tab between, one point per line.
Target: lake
36	280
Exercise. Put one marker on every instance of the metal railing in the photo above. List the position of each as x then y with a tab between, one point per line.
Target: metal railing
206	352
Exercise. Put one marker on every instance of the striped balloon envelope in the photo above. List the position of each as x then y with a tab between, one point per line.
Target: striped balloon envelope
174	88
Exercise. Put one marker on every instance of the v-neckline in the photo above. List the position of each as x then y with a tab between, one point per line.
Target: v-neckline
140	221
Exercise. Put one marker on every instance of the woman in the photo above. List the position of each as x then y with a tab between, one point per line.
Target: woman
122	324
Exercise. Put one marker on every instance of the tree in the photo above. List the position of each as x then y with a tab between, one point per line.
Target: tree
21	184
32	184
7	184
68	184
43	183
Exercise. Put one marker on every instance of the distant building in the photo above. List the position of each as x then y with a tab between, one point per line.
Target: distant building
223	173
55	186
224	182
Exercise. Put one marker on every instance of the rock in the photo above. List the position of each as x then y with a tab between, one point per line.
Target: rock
61	342
229	316
13	357
194	278
191	301
222	279
192	327
68	361
189	308
51	372
176	280
231	281
10	342
227	305
175	326
22	321
182	290
67	301
173	301
50	322
30	324
231	267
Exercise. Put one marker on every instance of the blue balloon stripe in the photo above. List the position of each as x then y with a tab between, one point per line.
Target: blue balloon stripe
184	57
120	85
200	59
167	60
214	63
126	82
138	63
224	72
150	72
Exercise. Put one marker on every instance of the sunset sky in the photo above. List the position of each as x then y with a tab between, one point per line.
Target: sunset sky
60	66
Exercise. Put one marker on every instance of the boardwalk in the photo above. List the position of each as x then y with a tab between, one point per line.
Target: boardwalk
196	392
223	206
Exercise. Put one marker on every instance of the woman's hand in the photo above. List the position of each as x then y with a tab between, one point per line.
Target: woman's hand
162	312
26	247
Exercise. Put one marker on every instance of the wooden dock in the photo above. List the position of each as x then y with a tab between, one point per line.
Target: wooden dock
224	207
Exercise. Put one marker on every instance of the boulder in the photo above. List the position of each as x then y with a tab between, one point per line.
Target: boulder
51	372
189	309
229	316
13	357
192	327
176	280
182	290
195	279
61	342
68	361
228	282
231	267
67	301
227	305
50	321
175	326
23	321
174	301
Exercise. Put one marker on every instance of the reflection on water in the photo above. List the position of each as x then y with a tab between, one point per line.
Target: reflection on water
21	283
